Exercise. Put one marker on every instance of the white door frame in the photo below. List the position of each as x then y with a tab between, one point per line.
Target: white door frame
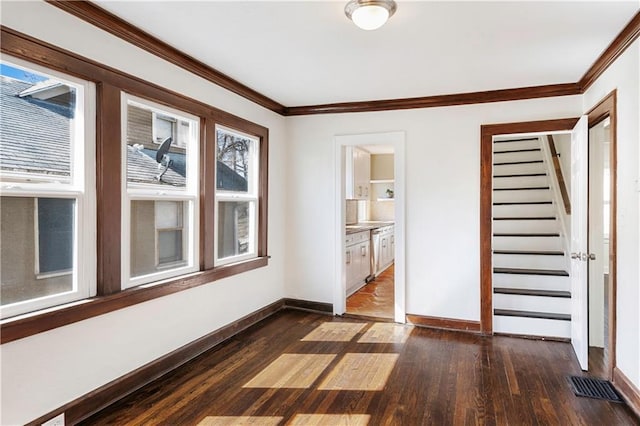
397	140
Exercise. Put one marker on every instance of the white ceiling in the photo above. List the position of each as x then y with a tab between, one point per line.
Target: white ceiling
308	53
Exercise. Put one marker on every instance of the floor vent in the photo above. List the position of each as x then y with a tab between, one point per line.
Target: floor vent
594	388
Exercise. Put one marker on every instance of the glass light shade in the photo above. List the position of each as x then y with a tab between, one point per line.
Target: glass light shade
370	17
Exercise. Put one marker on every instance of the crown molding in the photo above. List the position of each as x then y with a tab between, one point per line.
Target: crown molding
110	23
624	39
114	25
440	100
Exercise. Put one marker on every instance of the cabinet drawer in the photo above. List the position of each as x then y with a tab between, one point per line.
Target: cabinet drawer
362	236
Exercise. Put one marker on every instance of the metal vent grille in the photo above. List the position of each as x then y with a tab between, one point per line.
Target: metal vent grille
594	388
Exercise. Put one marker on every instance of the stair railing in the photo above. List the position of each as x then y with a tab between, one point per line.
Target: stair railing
558	189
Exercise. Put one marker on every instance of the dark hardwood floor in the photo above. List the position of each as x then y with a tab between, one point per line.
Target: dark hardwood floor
376	298
303	368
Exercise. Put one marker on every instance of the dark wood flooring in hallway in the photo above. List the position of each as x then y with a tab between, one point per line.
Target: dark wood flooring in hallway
376	298
301	368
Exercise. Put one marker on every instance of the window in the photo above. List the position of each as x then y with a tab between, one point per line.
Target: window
169	127
47	206
160	199
236	218
155	193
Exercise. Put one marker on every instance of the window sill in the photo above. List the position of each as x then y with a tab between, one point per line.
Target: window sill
26	325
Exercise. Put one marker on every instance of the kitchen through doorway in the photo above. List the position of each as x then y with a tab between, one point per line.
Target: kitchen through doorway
369	231
369	226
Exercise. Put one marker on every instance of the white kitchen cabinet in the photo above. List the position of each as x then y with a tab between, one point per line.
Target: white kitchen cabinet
386	248
357	260
358	173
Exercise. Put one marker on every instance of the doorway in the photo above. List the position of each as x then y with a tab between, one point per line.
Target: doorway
369	227
602	237
600	317
370	222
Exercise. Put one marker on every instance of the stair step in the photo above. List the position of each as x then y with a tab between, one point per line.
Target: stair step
528	243
525	218
523	210
520	175
521	189
532	292
516	140
539	234
511	151
520	203
550	282
531	314
531	252
522	271
532	327
509	163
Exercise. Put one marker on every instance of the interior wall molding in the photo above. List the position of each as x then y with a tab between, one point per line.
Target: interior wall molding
110	23
627	389
444	323
114	25
306	305
98	399
502	95
623	40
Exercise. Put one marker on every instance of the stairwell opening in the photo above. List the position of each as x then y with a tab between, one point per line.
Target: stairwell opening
538	223
530	237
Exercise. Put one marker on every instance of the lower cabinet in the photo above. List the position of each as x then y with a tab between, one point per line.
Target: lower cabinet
387	248
358	260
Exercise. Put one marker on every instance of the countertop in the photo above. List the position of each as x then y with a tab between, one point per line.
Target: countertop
367	226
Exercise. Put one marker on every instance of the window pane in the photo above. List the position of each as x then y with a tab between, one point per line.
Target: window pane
169	214
55	234
152	247
233	167
169	246
36	247
163	128
235	228
147	132
36	124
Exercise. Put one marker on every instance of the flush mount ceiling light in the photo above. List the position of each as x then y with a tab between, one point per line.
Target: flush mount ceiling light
370	14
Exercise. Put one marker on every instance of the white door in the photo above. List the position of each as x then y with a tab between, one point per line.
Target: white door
579	236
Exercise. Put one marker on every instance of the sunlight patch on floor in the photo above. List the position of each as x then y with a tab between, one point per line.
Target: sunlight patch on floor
330	420
240	421
291	371
334	332
386	333
360	371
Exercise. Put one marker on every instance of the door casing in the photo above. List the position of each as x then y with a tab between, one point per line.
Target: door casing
487	132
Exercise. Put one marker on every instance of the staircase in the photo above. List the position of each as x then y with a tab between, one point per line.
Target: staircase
531	285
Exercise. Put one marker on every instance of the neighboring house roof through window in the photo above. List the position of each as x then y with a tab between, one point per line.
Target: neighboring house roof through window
32	145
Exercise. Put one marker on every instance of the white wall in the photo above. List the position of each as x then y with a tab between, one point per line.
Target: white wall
442	203
45	371
624	75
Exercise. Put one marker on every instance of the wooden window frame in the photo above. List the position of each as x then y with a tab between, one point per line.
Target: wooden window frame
77	186
133	191
252	196
110	83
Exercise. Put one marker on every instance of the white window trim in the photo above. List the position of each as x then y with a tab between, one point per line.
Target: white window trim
81	186
150	192
251	196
